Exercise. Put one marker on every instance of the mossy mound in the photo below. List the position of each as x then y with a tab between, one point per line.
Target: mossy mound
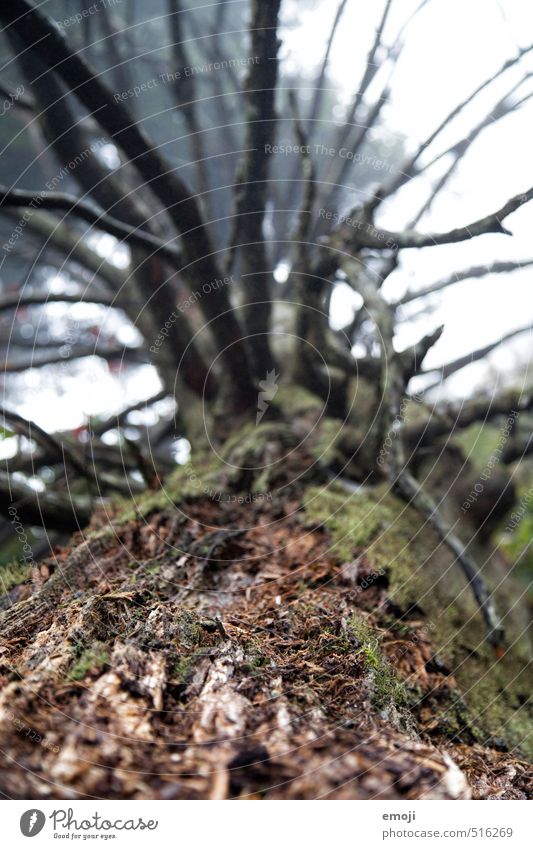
422	579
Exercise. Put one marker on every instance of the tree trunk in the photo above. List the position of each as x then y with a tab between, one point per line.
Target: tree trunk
255	630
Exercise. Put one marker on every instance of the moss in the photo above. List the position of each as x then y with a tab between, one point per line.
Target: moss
386	689
423	580
89	659
13	574
372	520
295	400
183	669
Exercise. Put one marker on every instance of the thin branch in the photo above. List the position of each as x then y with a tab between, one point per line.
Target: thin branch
318	96
393	463
475	271
366	235
413	493
408	169
85	210
454	366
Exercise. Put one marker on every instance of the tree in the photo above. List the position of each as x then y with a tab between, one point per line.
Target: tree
309	468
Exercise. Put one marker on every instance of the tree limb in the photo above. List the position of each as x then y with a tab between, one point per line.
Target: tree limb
475	271
366	235
10	198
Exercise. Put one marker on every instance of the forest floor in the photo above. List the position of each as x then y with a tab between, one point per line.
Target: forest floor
176	656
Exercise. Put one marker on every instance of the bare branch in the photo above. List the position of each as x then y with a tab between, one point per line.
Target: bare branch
318	96
392	391
366	235
415	495
10	198
408	169
475	271
447	370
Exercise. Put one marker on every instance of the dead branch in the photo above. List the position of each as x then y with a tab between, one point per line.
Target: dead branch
366	235
408	170
454	366
475	271
12	198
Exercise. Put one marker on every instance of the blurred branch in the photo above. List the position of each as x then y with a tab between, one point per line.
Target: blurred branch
473	272
49	510
316	103
119	419
14	302
408	170
309	175
127	355
252	181
185	99
92	215
71	243
454	366
448	418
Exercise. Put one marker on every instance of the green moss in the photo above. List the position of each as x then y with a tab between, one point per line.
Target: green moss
183	669
91	658
13	574
371	520
423	580
386	689
295	400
